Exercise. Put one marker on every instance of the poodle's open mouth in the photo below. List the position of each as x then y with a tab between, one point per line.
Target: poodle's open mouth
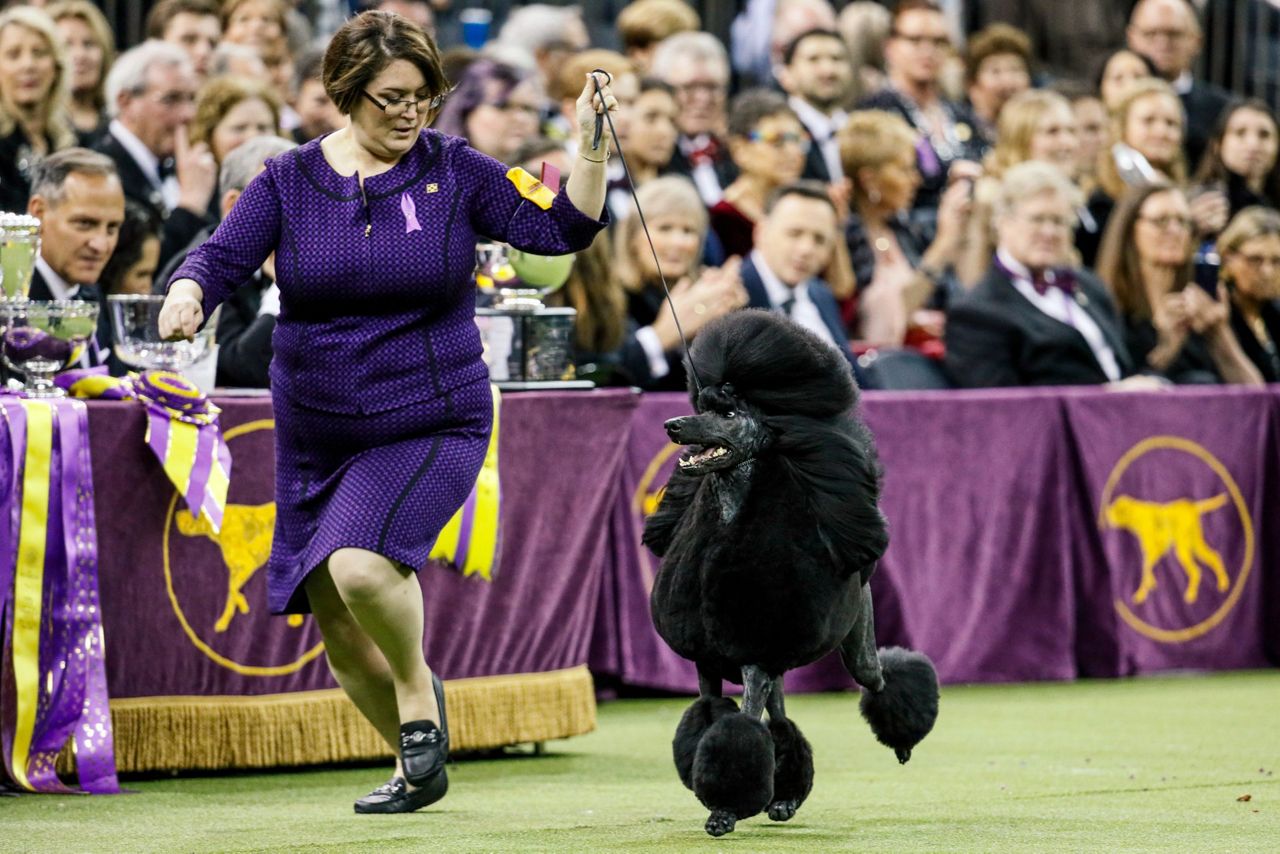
705	457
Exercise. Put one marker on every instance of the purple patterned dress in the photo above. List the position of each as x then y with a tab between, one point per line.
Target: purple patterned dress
381	399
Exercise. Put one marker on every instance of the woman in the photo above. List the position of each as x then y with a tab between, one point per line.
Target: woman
257	23
1250	252
1121	70
678	226
1241	158
768	145
1172	326
230	110
652	134
33	103
382	400
495	107
997	67
1035	125
90	50
902	280
134	262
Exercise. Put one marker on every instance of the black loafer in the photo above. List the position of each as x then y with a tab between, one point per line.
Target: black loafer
394	796
424	747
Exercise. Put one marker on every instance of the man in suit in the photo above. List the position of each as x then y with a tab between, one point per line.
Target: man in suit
793	244
1168	33
1033	320
77	197
697	67
248	319
816	74
151	97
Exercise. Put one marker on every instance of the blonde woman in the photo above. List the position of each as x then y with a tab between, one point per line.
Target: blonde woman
33	100
1034	125
90	52
231	110
1250	252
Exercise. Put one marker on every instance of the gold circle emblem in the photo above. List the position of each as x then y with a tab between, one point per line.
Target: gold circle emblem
235	601
1176	527
644	502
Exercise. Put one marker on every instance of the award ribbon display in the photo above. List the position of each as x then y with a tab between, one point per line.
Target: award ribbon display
469	541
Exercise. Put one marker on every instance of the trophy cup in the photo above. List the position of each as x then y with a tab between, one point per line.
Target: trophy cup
135	320
527	345
42	337
19	248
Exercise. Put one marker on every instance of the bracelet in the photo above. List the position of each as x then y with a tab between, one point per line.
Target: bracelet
607	155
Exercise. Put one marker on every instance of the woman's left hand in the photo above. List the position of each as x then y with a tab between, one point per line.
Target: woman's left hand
590	105
1205	314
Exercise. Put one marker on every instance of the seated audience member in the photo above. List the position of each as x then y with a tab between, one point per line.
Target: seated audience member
193	25
997	66
151	94
495	107
317	115
231	110
1250	252
1120	71
652	131
248	318
864	25
678	225
696	66
817	76
768	145
795	240
643	24
1172	326
541	37
33	106
1034	125
256	23
237	60
902	278
1035	319
135	261
1241	158
77	197
421	12
278	58
90	47
1091	130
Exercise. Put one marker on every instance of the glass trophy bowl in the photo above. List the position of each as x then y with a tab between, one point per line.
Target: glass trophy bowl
135	323
518	280
43	337
19	248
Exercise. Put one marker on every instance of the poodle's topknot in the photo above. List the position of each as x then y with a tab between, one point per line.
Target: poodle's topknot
774	363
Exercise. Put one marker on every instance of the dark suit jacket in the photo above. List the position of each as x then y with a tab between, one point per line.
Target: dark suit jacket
1268	363
1204	103
819	293
996	337
725	170
180	225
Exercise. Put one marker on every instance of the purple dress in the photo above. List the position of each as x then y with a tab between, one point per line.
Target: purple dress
381	399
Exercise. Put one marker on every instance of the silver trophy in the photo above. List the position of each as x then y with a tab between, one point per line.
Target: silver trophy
527	345
135	320
19	248
42	337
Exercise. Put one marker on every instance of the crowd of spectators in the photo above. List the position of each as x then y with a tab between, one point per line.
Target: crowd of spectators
948	204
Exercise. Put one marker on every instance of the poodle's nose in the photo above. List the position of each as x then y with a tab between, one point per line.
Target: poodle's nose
673	427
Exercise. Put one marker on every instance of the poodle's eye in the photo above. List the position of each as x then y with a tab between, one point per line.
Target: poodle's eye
731	414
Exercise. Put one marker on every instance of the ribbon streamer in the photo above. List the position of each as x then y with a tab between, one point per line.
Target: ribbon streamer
469	541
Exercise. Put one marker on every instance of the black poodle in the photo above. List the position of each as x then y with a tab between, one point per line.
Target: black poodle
769	529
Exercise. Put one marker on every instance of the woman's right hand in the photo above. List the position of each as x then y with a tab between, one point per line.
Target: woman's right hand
954	210
715	293
181	314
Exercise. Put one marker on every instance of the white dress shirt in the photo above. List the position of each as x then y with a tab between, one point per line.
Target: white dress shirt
823	129
58	286
147	162
803	310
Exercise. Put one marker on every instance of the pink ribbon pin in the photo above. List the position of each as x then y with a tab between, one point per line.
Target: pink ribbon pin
410	212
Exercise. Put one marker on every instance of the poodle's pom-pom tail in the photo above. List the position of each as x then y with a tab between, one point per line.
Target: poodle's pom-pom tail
733	767
904	711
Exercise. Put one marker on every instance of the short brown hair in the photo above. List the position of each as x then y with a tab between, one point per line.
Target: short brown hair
995	40
220	95
163	13
572	76
282	13
902	7
646	22
870	139
368	43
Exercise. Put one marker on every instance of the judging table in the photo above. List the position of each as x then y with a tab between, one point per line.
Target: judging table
1022	523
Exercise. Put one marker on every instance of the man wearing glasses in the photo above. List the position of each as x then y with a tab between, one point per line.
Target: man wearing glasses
151	98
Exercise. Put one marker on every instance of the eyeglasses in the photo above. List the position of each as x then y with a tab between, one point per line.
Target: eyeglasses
1169	222
1057	223
1257	262
936	42
699	87
396	107
513	107
173	99
1167	35
779	140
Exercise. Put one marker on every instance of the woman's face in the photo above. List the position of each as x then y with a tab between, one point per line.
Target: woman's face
253	23
1162	232
1055	140
898	181
775	150
1091	131
999	78
1153	126
676	238
27	68
1249	144
652	133
247	119
1255	267
391	132
498	126
137	279
84	54
1121	70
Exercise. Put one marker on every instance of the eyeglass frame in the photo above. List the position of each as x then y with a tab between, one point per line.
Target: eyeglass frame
432	103
801	140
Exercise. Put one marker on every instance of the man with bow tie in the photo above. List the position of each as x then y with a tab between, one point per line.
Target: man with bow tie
1036	319
151	96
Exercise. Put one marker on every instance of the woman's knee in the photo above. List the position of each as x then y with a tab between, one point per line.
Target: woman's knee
361	576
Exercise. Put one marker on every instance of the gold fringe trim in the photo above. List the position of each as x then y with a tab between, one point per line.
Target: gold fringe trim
315	727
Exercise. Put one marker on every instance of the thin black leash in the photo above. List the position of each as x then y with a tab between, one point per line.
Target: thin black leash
601	118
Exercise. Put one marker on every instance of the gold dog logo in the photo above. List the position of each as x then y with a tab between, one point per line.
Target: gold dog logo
1171	537
244	546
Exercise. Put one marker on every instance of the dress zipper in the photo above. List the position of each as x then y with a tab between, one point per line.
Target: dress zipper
368	219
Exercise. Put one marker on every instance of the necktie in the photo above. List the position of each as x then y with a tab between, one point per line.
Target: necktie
788	304
1063	280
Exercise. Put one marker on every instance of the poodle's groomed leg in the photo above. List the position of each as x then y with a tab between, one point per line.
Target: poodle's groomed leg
733	766
858	651
756	686
792	759
697	719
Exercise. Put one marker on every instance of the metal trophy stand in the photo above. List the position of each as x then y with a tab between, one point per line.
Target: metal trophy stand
527	345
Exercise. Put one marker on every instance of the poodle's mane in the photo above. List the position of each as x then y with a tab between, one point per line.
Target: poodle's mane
805	390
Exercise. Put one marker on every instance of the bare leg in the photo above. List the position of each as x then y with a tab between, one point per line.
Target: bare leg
756	686
858	650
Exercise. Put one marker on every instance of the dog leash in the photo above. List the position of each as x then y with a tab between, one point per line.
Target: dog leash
601	118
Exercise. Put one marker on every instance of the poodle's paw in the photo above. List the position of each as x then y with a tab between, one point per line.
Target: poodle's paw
783	810
720	822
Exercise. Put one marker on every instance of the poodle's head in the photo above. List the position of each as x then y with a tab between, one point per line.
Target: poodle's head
726	432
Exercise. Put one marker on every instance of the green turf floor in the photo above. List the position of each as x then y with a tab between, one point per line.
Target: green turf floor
1127	765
